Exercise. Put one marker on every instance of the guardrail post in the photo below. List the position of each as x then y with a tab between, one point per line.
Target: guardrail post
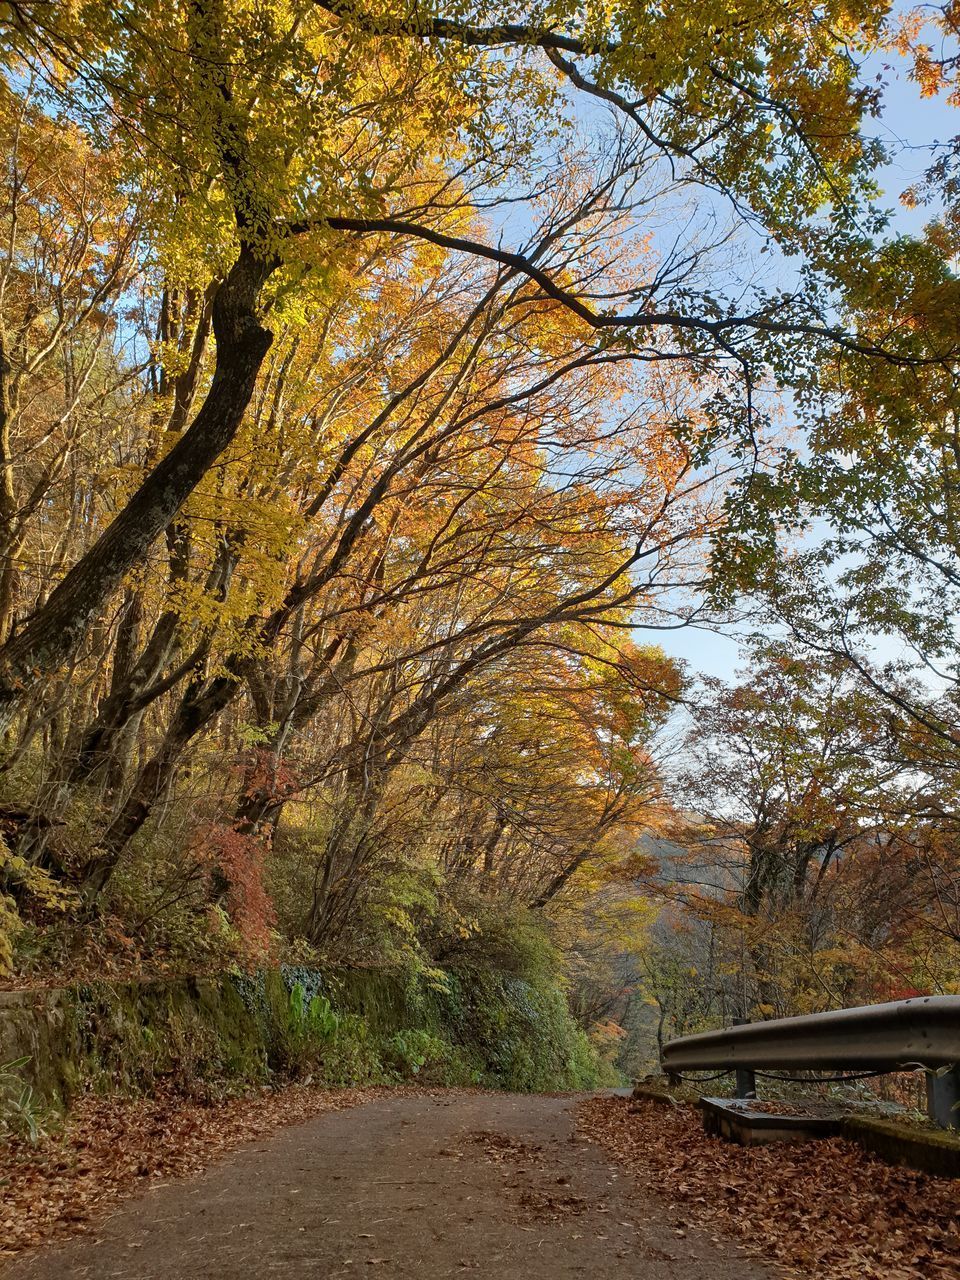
746	1081
943	1097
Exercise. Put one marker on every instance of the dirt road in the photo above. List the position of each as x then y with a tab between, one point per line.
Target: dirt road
444	1184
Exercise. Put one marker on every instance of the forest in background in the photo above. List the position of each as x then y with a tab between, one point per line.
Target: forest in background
376	384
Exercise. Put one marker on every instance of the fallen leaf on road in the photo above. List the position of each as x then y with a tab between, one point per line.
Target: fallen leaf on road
821	1209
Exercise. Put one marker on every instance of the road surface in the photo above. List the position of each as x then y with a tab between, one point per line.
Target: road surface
441	1184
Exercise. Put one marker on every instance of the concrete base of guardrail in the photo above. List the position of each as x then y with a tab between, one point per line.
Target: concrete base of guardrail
664	1094
929	1150
737	1121
933	1151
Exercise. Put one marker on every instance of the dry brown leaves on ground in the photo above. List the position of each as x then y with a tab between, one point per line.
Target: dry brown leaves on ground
500	1146
820	1209
553	1203
111	1148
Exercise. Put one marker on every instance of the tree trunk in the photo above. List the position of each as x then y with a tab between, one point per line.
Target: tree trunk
57	629
199	706
8	497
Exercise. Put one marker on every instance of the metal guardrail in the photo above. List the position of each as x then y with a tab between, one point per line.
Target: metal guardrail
904	1035
924	1032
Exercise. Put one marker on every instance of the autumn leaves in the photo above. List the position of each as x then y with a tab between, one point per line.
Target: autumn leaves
332	485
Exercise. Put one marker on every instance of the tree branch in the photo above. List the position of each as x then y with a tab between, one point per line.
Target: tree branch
717	329
503	33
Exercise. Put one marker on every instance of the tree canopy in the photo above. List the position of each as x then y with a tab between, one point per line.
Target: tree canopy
379	385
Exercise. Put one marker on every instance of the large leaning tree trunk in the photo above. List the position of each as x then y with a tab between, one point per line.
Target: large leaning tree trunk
56	630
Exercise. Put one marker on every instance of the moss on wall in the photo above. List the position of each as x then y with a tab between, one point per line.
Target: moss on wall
933	1151
341	1026
36	1025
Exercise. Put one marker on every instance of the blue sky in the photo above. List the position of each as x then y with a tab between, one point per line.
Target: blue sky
910	126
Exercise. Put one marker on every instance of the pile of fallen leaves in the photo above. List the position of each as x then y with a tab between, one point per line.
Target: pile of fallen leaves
111	1148
500	1147
814	1109
823	1209
553	1203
